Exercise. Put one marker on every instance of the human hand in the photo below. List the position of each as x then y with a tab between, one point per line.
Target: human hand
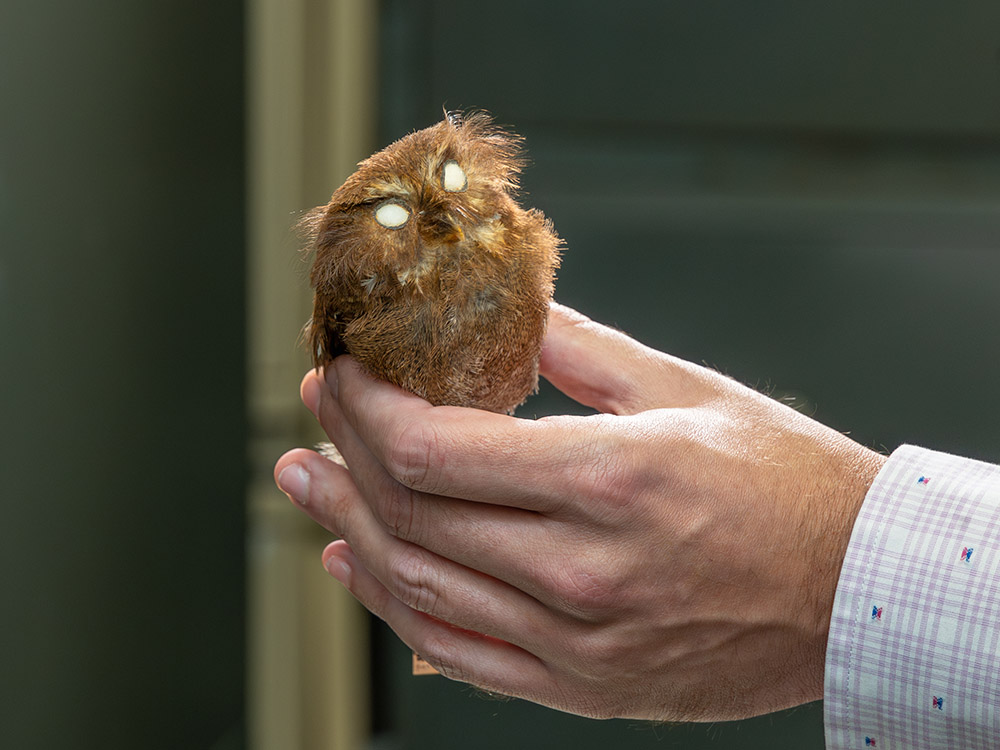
674	557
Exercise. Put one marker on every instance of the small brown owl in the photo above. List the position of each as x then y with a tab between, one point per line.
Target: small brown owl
429	273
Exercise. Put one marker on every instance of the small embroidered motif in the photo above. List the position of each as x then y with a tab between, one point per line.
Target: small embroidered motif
967	554
923	480
876	613
938	703
869	742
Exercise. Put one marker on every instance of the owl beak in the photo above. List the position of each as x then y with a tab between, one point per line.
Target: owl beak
444	233
455	235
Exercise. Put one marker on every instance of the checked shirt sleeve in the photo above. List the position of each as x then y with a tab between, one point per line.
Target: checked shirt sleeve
913	658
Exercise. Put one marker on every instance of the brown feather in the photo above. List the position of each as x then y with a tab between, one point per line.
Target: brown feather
452	304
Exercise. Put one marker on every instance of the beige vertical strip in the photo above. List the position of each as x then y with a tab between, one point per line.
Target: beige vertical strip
345	116
352	74
311	97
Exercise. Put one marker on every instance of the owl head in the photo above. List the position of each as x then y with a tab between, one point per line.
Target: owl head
434	196
433	187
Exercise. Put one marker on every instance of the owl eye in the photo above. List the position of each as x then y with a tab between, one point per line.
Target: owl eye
392	214
453	178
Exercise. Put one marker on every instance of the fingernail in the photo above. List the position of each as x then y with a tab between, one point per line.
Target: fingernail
294	482
311	396
339	569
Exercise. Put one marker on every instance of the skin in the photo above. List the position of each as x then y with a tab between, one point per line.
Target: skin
674	557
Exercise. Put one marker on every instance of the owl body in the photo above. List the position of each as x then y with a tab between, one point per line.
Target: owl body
429	273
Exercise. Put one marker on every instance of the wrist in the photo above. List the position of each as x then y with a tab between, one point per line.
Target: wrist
838	505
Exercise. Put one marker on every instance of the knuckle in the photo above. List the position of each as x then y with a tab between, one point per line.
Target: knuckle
602	465
440	652
603	656
586	592
416	582
607	477
414	455
334	502
397	511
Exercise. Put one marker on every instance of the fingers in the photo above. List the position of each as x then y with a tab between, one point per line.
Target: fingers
392	570
612	372
457	452
469	453
323	489
457	529
487	662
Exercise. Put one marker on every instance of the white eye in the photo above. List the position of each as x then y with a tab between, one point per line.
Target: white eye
392	215
453	179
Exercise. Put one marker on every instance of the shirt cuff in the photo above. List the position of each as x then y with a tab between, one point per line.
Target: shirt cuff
913	657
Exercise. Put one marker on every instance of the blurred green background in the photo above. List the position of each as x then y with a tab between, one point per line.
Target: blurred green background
805	197
121	322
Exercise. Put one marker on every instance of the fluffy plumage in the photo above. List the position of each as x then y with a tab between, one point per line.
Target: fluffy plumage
429	273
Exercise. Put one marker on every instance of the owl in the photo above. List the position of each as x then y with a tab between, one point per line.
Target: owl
428	272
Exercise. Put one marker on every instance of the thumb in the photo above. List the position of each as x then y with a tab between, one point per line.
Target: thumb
610	371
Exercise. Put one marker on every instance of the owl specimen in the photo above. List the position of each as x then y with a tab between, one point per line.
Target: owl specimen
429	273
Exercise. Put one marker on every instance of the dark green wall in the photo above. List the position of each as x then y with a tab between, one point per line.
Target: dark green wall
803	196
121	323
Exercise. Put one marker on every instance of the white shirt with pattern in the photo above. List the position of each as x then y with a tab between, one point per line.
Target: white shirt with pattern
913	659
